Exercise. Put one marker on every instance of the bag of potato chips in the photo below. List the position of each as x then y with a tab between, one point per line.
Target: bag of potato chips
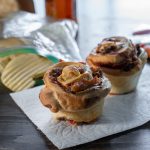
23	68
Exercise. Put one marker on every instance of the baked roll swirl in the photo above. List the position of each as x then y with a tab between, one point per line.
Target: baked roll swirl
120	60
73	92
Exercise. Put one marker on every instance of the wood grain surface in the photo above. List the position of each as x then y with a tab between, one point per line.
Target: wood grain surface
18	133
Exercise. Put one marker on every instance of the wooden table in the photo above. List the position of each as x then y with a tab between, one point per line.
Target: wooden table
18	133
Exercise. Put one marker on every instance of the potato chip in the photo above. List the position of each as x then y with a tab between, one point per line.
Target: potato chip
20	72
5	60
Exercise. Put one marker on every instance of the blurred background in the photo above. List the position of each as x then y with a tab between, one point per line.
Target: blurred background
68	29
104	18
96	18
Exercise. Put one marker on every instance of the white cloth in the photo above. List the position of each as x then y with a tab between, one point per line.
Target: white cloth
120	113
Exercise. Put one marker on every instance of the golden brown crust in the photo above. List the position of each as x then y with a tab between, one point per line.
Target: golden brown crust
123	75
111	71
85	116
121	54
73	102
126	82
48	100
60	101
